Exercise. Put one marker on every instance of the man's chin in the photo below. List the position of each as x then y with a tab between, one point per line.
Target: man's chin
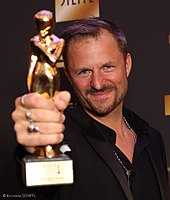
99	111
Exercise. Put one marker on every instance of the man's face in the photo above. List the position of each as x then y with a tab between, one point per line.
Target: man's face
98	73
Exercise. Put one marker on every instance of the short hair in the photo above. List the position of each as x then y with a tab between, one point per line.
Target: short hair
92	27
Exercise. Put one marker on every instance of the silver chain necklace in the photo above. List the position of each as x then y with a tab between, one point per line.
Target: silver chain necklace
128	171
130	128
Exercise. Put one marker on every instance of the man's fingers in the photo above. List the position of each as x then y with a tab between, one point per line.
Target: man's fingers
38	139
43	137
34	100
39	121
38	115
62	100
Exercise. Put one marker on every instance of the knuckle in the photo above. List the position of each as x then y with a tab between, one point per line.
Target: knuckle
60	128
20	139
60	137
63	127
62	117
16	127
13	115
17	101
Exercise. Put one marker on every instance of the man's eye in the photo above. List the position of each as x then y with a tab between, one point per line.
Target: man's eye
108	67
84	72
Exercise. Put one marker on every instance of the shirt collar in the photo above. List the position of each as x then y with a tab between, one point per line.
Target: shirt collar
136	123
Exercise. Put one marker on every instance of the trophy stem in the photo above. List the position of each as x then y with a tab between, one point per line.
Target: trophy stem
48	151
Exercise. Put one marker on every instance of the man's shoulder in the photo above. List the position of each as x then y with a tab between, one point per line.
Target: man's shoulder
140	124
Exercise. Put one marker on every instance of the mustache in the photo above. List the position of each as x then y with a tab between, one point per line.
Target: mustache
103	89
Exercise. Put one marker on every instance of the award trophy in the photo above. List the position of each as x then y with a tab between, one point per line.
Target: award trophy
48	166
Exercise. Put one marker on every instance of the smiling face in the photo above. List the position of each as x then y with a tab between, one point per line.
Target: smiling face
98	72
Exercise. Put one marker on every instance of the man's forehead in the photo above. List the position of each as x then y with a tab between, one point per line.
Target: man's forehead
82	40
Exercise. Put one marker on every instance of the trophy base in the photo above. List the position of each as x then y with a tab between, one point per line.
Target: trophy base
38	171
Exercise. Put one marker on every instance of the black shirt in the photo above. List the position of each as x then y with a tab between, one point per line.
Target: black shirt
143	181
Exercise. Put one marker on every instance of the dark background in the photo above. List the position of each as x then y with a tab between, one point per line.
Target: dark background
146	25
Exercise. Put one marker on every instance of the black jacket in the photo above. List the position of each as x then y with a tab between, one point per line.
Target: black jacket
97	173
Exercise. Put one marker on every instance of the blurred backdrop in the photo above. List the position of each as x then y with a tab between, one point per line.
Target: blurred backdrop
147	27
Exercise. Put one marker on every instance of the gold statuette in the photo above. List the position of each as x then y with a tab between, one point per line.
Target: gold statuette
48	166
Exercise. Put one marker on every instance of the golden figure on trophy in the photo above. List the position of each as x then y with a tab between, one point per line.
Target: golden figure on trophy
49	165
46	50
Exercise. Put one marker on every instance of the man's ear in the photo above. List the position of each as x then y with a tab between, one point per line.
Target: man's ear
128	64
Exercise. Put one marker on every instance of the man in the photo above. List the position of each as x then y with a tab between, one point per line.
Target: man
116	154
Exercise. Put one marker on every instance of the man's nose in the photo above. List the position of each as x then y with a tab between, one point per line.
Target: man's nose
97	81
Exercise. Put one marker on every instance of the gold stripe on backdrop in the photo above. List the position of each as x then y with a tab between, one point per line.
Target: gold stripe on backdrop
167	104
66	10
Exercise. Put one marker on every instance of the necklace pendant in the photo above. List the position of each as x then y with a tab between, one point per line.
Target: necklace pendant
128	173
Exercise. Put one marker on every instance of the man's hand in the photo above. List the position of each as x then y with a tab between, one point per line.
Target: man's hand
45	114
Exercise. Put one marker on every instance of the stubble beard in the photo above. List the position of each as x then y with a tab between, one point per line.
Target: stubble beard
101	108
